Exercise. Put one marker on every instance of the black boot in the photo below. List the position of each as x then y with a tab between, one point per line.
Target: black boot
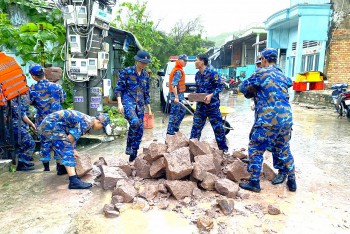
128	151
61	169
132	157
76	183
253	186
291	183
46	166
21	166
279	179
29	164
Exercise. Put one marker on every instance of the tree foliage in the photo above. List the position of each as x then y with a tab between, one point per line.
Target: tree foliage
40	46
183	37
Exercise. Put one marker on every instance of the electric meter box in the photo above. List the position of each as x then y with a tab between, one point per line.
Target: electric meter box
105	47
102	12
69	15
81	15
78	66
75	43
92	67
103	59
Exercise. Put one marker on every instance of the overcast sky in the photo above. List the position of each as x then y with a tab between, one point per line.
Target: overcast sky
217	16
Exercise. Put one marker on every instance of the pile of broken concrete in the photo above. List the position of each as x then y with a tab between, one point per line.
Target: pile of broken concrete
179	168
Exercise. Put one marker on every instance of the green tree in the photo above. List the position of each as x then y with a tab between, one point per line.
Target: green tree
139	23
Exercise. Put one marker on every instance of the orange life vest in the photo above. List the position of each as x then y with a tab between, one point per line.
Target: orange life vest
181	87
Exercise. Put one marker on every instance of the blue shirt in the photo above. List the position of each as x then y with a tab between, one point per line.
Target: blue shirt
209	82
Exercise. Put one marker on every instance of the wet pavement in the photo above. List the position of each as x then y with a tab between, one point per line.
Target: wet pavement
39	202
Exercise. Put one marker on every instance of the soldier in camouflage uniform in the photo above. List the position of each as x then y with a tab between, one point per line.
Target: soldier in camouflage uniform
132	93
46	97
177	88
60	131
273	125
209	82
24	142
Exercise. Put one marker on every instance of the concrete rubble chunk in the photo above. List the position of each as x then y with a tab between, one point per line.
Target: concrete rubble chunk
84	164
268	172
110	176
176	141
163	204
199	147
162	188
207	161
155	151
126	190
239	154
273	210
199	172
110	211
226	187
114	161
178	164
197	97
53	74
142	168
226	205
237	171
209	181
205	223
180	189
149	191
158	168
197	193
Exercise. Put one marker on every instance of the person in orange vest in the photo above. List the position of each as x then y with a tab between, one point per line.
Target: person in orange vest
177	88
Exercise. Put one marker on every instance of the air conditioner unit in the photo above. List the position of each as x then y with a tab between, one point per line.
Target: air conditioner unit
103	59
75	43
81	15
92	67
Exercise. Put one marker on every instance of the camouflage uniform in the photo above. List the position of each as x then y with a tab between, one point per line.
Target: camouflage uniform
209	82
46	97
54	131
273	124
134	92
177	111
24	142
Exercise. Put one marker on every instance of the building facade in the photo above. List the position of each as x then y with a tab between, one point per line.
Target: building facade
301	35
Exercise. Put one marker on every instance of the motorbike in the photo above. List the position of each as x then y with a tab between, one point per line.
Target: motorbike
341	100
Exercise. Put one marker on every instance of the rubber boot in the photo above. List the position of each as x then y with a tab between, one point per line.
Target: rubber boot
279	178
291	183
21	166
253	186
61	169
76	183
46	166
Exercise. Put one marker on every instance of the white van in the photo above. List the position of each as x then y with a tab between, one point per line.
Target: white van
190	72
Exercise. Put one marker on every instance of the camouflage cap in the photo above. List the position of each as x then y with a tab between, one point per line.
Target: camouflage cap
269	53
104	118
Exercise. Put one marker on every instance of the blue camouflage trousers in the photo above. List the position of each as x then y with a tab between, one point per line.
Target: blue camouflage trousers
25	148
215	118
177	113
276	139
135	133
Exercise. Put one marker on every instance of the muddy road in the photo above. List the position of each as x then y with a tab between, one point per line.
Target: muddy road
38	202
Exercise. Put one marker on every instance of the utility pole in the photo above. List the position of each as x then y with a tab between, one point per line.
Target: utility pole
86	58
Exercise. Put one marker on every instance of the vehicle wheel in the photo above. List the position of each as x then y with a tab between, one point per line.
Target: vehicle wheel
227	127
